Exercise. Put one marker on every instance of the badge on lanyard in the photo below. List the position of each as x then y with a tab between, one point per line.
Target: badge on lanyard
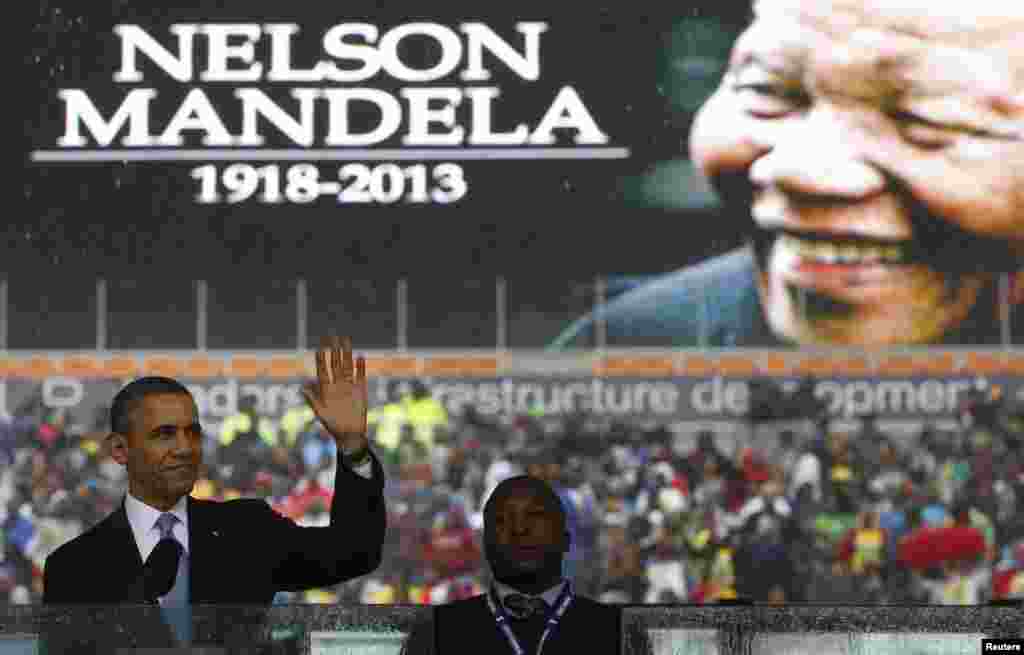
554	617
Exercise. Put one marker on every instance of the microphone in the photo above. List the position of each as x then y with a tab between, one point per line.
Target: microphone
161	568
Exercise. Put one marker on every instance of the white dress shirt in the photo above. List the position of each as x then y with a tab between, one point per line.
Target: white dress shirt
550	596
142	519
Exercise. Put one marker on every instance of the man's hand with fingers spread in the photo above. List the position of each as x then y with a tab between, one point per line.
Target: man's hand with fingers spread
339	397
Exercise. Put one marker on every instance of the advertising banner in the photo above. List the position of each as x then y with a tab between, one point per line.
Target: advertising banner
659	399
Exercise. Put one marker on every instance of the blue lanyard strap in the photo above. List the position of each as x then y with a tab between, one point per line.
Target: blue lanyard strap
554	617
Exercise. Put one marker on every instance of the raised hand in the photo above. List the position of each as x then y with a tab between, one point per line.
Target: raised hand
339	395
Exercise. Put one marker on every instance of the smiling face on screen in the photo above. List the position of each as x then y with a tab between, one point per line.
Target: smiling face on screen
880	149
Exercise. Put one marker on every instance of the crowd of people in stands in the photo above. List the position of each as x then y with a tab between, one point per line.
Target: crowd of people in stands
812	511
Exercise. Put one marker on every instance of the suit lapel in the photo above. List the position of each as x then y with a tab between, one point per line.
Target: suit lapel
124	549
203	546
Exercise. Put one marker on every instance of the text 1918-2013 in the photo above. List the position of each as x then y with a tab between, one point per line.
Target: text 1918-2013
354	183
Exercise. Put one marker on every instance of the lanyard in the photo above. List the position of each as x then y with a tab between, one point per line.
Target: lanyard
501	618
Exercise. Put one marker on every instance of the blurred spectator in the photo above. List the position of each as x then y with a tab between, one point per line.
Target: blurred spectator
624	576
1008	583
425	414
863	553
452	548
765	527
386	421
317	447
296	421
245	440
707	451
247	427
966	515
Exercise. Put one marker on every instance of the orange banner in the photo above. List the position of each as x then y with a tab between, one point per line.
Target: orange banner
459	366
636	366
278	366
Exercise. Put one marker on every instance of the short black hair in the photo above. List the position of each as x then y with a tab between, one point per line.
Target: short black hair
509	486
129	397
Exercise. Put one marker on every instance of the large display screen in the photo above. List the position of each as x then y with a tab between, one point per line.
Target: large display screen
742	279
737	176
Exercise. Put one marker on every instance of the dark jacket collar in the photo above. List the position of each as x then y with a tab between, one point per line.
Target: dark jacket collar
116	531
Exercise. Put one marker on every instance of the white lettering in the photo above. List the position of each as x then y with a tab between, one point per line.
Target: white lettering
737	398
489	400
858	398
80	110
334	45
567	112
421	115
482	133
134	39
596	402
574	393
862	397
374	53
222	399
273	396
428	108
931	396
196	113
258	394
620	405
281	56
463	398
953	391
831	393
451	52
481	37
256	103
221	52
704	399
529	396
717	396
218	401
339	133
664	399
60	392
898	396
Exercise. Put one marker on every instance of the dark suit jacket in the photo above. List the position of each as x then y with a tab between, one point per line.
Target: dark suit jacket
241	552
716	304
467	626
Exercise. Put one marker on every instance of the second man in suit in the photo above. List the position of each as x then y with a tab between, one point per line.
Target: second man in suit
529	607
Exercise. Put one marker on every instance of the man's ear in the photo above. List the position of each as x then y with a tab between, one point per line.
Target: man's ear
117	444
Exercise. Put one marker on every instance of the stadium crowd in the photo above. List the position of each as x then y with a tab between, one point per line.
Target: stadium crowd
808	511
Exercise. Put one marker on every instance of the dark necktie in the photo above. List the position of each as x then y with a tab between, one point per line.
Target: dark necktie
175	605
